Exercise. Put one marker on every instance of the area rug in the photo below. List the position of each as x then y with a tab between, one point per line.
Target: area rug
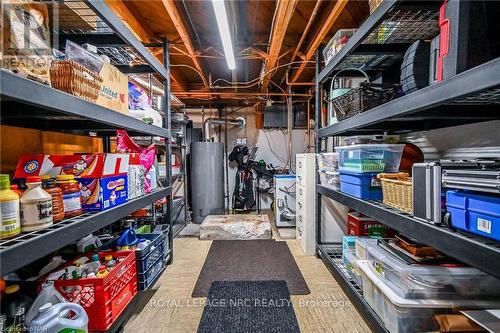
250	260
248	306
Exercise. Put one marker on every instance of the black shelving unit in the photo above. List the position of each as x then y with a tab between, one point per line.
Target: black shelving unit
29	104
470	97
331	254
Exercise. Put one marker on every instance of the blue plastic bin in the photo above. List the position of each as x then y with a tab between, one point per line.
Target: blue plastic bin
146	279
476	213
361	185
147	257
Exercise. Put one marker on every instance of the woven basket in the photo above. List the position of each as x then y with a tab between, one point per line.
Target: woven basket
397	189
75	79
358	100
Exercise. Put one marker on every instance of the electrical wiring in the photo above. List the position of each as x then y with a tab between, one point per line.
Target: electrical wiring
191	67
259	78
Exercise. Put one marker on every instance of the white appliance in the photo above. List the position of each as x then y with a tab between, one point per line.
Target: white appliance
306	194
284	200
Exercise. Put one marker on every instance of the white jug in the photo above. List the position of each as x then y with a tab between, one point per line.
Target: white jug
51	319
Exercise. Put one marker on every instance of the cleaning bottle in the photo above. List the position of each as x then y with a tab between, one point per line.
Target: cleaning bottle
109	261
128	237
19	325
93	266
13	300
49	294
102	272
10	222
36	206
51	318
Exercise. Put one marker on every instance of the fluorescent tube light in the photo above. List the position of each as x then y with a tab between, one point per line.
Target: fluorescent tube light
223	24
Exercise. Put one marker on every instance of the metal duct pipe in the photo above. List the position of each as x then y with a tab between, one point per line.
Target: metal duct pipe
240	122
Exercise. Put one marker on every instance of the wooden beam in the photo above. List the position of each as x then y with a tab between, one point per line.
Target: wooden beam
283	14
140	30
320	36
182	30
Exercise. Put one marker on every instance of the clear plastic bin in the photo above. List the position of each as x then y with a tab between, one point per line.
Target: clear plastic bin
370	157
404	315
328	161
362	244
329	179
436	282
337	43
351	263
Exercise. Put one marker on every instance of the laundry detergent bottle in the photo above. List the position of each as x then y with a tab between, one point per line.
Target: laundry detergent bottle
51	318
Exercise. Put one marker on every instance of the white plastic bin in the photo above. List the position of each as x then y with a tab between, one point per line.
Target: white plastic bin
370	157
329	179
337	42
328	162
402	315
351	263
426	281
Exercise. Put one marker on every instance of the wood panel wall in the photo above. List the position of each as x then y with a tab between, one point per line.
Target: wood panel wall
15	141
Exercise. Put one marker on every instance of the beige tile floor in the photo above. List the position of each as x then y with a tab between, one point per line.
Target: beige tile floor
171	308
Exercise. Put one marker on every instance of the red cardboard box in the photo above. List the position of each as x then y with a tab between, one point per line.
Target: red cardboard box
360	225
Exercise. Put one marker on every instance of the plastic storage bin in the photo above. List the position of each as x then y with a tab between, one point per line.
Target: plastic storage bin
361	246
330	179
361	185
328	162
150	261
431	282
337	43
404	315
478	214
104	299
351	263
370	157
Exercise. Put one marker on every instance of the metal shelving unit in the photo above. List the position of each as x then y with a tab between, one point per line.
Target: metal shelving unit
18	251
32	105
331	255
379	43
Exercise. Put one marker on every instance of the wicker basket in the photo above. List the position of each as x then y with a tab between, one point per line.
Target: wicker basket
75	79
357	100
397	190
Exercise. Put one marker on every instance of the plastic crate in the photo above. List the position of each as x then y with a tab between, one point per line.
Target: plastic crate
147	257
164	229
104	299
328	162
370	157
475	213
147	278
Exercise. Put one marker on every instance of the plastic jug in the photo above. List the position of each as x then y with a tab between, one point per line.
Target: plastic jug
51	318
49	294
127	238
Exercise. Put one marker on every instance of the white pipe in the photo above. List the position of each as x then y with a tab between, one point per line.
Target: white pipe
240	122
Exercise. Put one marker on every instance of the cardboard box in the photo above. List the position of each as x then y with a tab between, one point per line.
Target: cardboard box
38	165
114	90
360	225
102	178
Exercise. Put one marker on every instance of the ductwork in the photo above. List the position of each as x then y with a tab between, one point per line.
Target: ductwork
239	122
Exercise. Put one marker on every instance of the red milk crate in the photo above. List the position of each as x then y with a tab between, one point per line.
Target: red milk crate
104	299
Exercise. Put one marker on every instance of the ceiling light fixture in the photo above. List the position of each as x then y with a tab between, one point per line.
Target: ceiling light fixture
223	24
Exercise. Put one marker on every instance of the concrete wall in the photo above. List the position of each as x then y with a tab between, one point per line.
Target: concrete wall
272	144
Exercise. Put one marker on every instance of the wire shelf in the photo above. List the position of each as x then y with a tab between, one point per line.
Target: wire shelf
121	55
75	17
485	97
405	25
368	62
334	254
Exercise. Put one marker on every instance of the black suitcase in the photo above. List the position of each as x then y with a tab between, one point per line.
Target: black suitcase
428	200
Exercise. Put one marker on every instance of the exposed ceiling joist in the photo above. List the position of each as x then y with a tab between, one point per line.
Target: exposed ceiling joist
320	36
181	28
140	30
284	12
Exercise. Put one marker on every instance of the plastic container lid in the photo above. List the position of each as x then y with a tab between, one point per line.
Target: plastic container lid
420	303
4	182
63	178
44	308
11	289
33	179
95	257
